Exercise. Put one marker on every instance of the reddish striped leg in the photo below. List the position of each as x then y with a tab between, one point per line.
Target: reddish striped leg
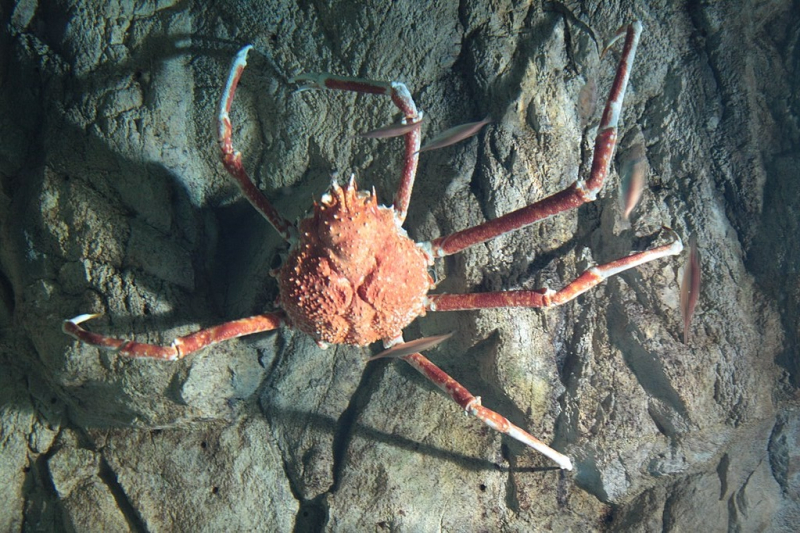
576	194
547	297
403	100
472	405
233	159
180	347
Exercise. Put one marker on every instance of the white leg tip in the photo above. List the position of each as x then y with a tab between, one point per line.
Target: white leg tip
242	54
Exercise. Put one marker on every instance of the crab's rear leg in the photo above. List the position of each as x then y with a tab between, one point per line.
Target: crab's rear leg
180	347
576	194
472	405
402	99
547	298
232	160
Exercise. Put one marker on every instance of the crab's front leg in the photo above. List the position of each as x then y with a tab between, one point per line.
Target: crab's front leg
232	159
401	97
576	194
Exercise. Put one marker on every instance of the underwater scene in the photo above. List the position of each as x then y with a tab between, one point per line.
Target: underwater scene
322	265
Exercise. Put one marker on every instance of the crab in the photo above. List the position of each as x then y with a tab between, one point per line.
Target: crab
353	276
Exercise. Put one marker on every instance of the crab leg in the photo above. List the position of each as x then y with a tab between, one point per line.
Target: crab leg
472	405
232	159
180	347
576	194
546	297
402	99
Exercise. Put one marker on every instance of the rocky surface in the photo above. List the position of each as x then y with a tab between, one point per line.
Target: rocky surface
112	200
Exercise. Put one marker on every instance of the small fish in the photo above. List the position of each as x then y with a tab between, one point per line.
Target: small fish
587	101
407	348
392	130
632	177
690	287
454	135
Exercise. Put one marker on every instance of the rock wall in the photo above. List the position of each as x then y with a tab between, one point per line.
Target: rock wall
112	200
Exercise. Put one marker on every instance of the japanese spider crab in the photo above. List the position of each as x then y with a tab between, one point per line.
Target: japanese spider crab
353	276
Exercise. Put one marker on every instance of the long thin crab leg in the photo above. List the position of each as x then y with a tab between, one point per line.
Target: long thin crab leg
549	298
402	99
472	405
180	347
576	194
232	160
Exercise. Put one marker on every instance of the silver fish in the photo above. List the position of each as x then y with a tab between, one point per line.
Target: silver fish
632	177
617	36
690	287
455	134
392	130
407	348
587	101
